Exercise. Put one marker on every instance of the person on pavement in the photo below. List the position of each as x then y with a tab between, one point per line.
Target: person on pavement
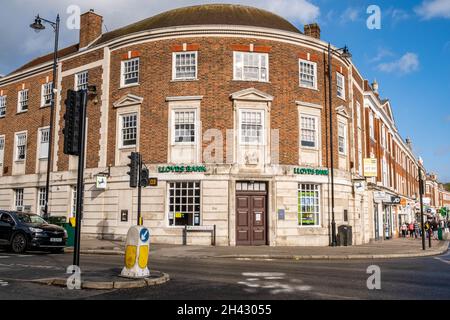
416	230
411	230
403	230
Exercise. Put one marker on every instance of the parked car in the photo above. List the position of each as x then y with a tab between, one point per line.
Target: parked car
24	231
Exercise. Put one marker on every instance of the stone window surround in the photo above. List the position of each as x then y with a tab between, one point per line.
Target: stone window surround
184	103
127	104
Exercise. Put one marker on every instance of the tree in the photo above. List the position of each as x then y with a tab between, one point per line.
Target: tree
447	186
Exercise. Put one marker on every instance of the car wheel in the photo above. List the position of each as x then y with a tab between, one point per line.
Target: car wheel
19	243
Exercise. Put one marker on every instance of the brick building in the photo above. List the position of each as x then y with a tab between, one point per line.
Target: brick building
229	107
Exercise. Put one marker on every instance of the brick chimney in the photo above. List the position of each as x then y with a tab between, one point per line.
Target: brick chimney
90	27
312	30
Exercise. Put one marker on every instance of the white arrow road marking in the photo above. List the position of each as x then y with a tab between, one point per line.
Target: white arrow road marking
442	260
3	283
268	280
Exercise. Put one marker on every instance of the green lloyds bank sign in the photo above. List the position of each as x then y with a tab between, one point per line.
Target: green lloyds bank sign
308	171
180	169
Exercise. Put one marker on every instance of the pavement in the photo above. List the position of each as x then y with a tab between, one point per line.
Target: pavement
384	249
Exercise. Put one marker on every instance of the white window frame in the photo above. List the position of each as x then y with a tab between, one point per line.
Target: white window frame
242	73
169	212
17	135
2	151
314	65
121	118
263	123
358	115
122	72
3	106
46	89
317	210
196	126
41	198
18	198
316	131
344	136
78	85
40	143
21	101
73	201
340	78
383	136
174	66
371	126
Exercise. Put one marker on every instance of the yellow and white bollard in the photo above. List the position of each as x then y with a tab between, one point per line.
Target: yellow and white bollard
136	253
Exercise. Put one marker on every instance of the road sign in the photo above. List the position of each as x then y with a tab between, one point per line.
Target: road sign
144	234
153	182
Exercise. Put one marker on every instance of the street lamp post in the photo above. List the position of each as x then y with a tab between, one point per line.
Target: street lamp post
38	26
421	191
345	54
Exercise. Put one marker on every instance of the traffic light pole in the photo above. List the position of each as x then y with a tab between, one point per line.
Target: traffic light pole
80	180
139	222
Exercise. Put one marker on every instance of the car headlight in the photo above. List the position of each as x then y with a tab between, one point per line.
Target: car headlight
65	234
35	230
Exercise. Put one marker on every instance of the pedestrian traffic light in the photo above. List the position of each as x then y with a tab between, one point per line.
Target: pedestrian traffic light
134	169
72	122
145	175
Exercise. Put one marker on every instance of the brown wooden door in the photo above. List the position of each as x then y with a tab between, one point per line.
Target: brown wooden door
250	219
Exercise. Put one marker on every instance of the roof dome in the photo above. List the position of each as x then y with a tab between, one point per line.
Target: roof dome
210	14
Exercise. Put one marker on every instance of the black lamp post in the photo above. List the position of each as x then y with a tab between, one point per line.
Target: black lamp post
344	53
421	192
38	26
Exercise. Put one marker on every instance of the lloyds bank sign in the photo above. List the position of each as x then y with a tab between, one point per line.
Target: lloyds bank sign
311	171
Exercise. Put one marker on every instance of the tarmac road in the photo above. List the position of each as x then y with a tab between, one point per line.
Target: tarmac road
220	278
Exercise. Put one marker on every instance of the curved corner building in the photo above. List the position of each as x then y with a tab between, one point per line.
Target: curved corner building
229	107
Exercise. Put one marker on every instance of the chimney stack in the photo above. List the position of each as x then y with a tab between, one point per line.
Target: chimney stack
375	86
409	143
90	27
312	30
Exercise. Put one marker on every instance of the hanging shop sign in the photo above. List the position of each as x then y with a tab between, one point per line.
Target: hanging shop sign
370	167
101	182
309	171
403	202
392	200
360	186
181	169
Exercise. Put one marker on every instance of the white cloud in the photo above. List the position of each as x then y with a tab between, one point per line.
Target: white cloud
20	43
381	54
350	15
301	11
408	63
434	9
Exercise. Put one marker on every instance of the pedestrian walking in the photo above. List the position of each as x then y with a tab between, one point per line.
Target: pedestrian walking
404	228
416	230
411	230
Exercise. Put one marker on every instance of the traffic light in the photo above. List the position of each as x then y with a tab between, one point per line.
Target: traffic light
134	169
145	175
72	122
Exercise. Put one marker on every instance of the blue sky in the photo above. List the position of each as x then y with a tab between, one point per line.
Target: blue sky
409	56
